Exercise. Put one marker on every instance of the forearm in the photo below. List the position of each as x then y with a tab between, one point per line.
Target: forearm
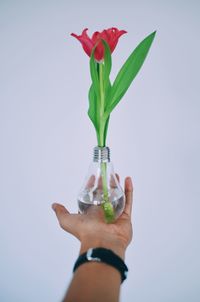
96	281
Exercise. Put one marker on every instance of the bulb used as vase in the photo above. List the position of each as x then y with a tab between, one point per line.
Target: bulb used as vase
101	186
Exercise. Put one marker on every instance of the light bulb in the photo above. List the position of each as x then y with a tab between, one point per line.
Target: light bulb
101	185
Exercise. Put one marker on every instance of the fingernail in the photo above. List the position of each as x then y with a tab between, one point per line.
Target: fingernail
129	179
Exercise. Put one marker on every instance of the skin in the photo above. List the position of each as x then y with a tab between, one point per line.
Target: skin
94	281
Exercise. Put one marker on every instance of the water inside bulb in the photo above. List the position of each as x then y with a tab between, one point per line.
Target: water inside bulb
89	198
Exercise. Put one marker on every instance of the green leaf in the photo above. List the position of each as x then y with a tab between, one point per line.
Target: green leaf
128	72
106	129
93	109
99	91
107	60
106	74
107	92
94	73
107	65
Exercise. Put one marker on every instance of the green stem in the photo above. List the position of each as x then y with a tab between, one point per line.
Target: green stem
102	100
107	206
103	165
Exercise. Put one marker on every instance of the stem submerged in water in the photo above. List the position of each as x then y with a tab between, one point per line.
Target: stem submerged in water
106	205
104	181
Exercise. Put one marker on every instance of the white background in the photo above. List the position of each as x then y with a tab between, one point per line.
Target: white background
46	142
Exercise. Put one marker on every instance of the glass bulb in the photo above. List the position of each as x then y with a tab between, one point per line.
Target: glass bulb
101	186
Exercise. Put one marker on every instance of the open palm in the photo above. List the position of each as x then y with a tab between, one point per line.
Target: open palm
91	226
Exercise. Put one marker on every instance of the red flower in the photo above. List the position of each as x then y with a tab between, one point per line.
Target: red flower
110	35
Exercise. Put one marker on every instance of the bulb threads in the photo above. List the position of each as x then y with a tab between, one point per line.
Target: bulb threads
101	154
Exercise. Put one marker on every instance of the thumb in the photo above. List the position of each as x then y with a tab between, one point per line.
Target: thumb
65	219
59	209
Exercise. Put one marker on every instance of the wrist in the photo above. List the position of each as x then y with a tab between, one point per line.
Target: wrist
112	245
104	256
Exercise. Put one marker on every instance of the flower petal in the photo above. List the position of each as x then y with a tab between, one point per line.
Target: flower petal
86	42
115	39
99	50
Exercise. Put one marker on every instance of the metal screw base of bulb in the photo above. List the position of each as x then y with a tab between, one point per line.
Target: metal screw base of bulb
101	154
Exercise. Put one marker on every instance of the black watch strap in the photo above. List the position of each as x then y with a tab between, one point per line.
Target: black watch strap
103	255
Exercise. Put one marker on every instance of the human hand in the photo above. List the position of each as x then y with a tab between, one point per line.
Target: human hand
92	230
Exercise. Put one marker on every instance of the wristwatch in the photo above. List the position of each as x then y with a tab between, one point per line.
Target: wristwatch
103	255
